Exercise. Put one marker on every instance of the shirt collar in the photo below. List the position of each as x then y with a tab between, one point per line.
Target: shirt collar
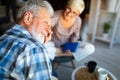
21	29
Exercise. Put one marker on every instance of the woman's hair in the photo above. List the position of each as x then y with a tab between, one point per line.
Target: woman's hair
76	4
33	6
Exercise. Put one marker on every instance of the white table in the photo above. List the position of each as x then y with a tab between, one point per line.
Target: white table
81	67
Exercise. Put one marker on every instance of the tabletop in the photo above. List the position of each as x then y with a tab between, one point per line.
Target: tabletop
81	73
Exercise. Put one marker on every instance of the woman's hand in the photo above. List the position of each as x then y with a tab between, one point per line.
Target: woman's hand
68	52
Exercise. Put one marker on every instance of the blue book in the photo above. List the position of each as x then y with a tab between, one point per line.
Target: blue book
72	46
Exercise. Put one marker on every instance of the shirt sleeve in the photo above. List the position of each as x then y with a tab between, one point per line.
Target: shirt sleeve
75	36
32	65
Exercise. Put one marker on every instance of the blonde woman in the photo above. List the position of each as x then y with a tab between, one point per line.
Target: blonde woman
66	25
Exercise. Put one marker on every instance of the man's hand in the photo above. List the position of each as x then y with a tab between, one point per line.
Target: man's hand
48	37
47	33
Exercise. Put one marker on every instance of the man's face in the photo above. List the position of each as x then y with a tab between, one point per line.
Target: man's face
41	26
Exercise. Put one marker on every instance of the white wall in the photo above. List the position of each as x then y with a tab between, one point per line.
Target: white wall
117	39
93	11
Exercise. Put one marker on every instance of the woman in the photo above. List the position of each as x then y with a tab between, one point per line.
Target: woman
67	23
66	28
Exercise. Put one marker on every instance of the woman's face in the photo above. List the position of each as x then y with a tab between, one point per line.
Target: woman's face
70	13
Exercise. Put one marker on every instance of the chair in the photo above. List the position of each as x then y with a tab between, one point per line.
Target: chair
4	27
63	59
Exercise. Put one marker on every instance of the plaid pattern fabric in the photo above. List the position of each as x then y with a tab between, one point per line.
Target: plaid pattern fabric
22	57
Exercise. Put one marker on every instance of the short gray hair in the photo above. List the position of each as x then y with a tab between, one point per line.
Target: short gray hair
49	7
32	6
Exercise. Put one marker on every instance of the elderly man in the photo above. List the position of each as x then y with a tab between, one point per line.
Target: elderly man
22	53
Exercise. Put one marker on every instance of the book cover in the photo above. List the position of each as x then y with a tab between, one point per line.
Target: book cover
72	46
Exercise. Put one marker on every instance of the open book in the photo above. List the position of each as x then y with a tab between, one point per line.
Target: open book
72	46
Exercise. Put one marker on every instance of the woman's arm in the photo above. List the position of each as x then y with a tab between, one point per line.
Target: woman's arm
75	36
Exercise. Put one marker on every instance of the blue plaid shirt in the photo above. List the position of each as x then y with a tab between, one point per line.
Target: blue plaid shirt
22	57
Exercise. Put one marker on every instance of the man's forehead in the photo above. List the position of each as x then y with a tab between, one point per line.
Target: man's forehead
43	12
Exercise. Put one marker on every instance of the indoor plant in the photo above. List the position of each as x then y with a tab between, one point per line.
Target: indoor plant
106	28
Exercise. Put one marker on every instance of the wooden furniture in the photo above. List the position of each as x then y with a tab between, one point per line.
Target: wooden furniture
63	59
81	73
102	11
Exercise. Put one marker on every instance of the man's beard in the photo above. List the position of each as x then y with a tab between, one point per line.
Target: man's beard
38	36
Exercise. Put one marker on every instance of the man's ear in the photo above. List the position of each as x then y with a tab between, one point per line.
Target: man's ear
28	17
